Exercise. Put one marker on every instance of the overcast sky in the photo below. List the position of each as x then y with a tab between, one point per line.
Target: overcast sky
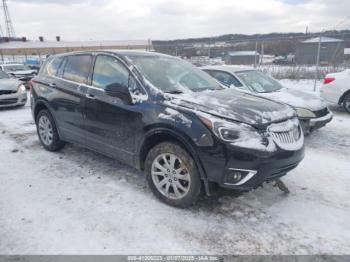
171	19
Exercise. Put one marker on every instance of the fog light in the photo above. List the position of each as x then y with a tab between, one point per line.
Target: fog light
233	177
238	176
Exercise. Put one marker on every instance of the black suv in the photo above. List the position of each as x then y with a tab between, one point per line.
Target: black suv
162	115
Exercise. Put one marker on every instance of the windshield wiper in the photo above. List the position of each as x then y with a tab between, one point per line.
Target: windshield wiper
174	92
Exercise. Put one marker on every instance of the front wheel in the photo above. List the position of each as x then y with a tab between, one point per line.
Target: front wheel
172	175
346	103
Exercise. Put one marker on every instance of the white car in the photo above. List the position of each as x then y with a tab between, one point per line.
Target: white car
336	89
19	71
312	111
12	91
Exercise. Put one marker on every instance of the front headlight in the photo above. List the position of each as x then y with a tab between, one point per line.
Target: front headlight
304	113
238	134
21	89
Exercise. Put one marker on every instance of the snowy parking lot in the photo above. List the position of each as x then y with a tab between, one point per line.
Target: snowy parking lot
80	202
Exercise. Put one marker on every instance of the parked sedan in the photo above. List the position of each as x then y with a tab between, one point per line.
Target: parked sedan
19	71
12	91
163	115
336	89
312	111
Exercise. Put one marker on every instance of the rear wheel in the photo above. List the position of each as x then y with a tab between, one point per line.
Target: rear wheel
172	175
346	103
47	131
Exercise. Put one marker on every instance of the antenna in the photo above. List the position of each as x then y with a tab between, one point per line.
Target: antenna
8	23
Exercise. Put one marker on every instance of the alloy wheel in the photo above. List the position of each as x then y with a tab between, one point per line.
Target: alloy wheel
45	130
170	176
347	104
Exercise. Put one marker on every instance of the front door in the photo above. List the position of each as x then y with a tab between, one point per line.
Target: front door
111	125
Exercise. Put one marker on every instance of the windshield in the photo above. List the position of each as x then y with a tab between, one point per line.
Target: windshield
172	75
259	82
3	75
10	68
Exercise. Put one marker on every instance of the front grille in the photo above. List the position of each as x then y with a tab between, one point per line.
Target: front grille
321	112
8	101
287	135
7	92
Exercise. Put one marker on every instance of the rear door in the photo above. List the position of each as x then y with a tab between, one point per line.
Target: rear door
69	97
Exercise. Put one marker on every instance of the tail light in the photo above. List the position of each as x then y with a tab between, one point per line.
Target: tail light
328	80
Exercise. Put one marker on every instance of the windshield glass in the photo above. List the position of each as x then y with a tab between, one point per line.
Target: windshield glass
10	68
3	75
259	82
172	75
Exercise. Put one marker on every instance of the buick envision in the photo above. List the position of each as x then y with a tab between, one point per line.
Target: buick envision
162	115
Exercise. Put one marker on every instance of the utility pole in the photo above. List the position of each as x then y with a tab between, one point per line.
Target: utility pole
262	53
317	61
256	52
8	22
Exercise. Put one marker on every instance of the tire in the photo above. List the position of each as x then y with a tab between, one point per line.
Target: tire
178	183
52	141
346	103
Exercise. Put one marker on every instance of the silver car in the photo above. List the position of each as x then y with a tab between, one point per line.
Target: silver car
312	110
12	91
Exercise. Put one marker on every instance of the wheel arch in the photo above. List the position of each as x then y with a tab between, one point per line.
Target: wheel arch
341	99
43	104
155	137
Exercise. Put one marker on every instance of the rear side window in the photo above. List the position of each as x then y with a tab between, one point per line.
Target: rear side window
53	66
77	68
108	70
225	78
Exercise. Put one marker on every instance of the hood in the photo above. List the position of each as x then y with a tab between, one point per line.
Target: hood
297	98
9	84
234	105
22	72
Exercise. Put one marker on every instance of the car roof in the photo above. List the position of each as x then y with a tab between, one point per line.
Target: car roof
227	68
118	52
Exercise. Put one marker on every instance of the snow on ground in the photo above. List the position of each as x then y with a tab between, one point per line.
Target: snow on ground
79	202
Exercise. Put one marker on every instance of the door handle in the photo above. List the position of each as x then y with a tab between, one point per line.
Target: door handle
90	96
54	85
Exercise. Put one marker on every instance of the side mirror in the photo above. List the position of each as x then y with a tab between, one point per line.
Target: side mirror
120	91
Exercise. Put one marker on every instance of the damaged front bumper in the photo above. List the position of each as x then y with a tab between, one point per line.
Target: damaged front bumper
311	124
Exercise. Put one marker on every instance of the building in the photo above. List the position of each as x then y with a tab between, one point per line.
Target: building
242	58
347	54
43	48
331	52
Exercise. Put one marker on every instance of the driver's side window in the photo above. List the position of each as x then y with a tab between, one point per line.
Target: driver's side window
108	70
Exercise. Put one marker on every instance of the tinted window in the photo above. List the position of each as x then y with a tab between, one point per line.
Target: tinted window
77	68
53	66
108	70
225	78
